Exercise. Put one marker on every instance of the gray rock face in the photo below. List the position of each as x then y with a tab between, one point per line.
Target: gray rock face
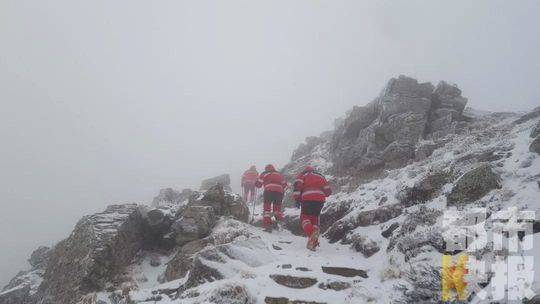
307	147
536	130
424	190
384	132
39	257
473	185
531	115
223	180
535	145
171	196
98	249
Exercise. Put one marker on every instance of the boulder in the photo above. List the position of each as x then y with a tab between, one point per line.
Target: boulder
473	185
535	145
195	222
293	282
170	196
182	262
341	228
98	249
224	203
331	213
364	245
157	227
412	244
224	180
218	262
388	231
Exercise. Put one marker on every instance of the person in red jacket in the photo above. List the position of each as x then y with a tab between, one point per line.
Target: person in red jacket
249	178
274	185
311	189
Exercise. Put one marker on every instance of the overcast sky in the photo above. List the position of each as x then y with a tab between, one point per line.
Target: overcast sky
109	101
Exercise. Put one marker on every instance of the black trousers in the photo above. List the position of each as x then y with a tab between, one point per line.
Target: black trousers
312	208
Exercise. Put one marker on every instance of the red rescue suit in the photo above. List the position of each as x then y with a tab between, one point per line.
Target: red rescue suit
249	178
311	189
274	185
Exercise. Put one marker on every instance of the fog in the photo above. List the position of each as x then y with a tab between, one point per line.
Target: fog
108	101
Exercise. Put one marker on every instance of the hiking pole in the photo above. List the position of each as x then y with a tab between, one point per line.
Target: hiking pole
253	209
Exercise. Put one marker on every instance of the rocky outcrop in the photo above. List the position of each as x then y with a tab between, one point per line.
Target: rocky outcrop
536	130
535	145
40	257
170	196
223	202
228	258
473	185
384	133
424	190
224	180
535	113
98	249
341	228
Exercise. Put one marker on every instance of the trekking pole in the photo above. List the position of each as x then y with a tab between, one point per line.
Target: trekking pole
253	209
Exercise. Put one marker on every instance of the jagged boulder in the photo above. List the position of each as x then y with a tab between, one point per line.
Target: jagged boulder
182	262
157	227
195	222
535	145
98	249
223	202
473	185
170	196
366	246
224	180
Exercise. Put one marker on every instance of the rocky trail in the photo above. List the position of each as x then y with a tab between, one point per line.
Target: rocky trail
396	166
